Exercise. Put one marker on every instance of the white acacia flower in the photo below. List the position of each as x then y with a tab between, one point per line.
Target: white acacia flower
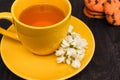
65	44
74	43
75	35
70	51
80	51
84	43
79	56
76	63
69	39
60	52
81	43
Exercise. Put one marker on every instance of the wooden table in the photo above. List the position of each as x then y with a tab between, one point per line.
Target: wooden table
105	64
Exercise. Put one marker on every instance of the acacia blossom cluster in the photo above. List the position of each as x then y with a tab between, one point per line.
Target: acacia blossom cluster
72	49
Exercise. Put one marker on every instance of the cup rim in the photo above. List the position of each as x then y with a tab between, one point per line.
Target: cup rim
37	27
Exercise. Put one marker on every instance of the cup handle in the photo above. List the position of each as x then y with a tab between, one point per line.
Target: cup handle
7	16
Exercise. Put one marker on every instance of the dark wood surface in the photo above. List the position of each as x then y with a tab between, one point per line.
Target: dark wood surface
105	64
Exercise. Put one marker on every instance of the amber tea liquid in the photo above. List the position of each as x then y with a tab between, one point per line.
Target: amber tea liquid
41	15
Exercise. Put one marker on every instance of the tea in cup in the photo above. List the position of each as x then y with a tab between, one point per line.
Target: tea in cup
41	25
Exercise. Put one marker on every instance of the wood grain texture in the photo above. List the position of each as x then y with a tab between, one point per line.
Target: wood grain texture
105	64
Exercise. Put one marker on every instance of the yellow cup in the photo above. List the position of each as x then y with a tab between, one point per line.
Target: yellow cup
39	40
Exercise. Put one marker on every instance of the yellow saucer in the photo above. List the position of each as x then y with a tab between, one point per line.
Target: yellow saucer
29	66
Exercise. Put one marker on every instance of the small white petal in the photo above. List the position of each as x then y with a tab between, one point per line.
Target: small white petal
81	51
68	60
60	59
70	29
